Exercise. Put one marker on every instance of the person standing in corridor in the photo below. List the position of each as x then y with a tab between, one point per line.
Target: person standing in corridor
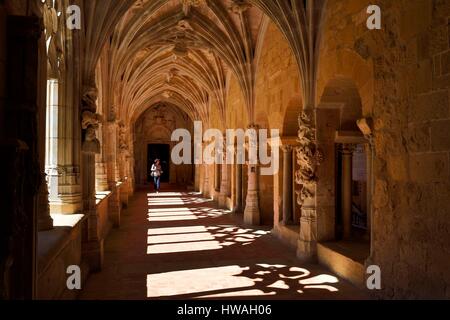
156	174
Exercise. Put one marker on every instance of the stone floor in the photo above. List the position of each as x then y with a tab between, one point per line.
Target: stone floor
177	245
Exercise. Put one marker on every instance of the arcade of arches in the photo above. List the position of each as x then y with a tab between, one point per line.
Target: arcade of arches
364	121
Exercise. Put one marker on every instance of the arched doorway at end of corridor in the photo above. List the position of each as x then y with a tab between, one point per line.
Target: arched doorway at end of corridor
161	152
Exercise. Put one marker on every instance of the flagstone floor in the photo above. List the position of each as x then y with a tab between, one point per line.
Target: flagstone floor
178	245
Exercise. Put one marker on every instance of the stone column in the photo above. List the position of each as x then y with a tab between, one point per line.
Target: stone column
93	246
64	188
251	213
206	192
101	174
196	177
346	189
238	207
114	203
309	158
223	196
287	185
217	178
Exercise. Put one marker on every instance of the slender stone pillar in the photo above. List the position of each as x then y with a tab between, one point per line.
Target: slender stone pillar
238	181
217	178
346	189
114	203
223	196
196	177
101	177
206	192
223	187
251	213
101	174
287	185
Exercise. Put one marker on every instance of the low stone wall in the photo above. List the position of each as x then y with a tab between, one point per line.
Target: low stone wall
61	247
58	249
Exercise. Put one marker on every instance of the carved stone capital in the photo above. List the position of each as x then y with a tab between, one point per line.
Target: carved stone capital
286	148
347	148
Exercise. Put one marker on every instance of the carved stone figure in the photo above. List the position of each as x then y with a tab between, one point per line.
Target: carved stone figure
89	101
91	144
90	119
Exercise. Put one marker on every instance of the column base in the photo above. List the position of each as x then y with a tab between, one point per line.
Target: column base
69	201
252	215
67	205
237	209
307	251
223	198
93	253
307	244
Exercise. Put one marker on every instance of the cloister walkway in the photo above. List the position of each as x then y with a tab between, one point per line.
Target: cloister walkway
178	245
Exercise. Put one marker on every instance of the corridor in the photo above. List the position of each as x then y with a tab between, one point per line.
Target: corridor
177	245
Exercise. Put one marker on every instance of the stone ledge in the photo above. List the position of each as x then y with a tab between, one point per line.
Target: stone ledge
52	242
345	258
102	196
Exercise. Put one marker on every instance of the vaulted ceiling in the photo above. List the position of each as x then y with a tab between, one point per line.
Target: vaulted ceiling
181	51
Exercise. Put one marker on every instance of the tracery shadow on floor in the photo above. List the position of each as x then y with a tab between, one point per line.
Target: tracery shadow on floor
203	258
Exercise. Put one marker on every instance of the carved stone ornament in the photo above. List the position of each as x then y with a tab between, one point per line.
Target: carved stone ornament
123	145
90	120
54	39
89	101
309	158
91	144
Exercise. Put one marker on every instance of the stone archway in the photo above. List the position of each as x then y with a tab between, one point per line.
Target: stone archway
344	183
155	127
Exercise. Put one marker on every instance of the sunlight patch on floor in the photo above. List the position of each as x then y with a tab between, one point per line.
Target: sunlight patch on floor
197	281
236	281
183	247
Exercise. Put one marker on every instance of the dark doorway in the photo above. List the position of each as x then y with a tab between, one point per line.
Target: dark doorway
162	152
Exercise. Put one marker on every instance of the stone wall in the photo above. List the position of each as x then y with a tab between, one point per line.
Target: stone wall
407	65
